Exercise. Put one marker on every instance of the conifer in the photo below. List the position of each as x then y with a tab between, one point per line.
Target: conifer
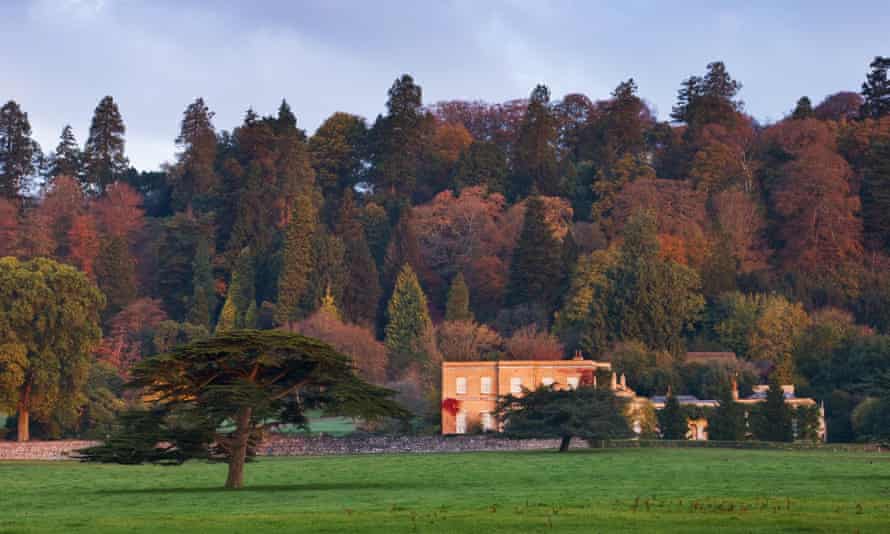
17	150
457	308
408	329
203	301
296	259
104	159
672	419
535	273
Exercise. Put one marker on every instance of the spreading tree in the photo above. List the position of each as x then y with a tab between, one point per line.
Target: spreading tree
214	398
17	150
457	307
409	330
49	326
672	419
586	412
104	159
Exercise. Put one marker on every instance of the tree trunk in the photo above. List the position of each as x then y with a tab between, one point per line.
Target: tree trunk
564	444
238	452
24	414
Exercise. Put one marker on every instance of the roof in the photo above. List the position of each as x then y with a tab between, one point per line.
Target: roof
589	364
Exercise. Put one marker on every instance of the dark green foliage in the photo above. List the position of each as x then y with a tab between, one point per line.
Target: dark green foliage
168	335
104	160
67	160
535	167
457	307
194	177
876	89
239	309
296	259
482	164
727	423
116	274
806	423
176	246
103	391
803	109
672	419
718	274
202	307
876	193
360	294
409	331
17	150
536	269
245	379
329	271
771	419
338	150
707	100
586	412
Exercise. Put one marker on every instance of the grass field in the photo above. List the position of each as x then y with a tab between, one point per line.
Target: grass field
643	490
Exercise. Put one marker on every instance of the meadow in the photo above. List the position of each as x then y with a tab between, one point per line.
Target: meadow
639	490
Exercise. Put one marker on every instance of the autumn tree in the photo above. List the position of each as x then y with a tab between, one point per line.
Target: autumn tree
84	244
535	162
104	159
193	176
17	150
49	325
843	105
296	259
467	341
9	227
457	308
129	333
532	343
409	331
247	380
876	89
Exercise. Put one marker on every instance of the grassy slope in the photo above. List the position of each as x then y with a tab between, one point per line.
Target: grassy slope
584	491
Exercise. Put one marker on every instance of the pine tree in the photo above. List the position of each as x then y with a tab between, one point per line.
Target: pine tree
457	307
408	329
803	109
67	160
296	259
535	166
361	292
672	419
398	140
203	301
116	274
194	174
17	150
104	159
535	272
772	419
727	423
876	193
876	89
286	120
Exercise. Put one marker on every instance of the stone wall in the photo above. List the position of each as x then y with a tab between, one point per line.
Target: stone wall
311	446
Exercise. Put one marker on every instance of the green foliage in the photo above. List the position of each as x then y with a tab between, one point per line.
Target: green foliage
49	325
409	331
876	193
535	166
244	378
168	335
203	302
193	179
296	259
771	419
17	150
586	412
727	423
239	309
876	89
330	272
67	160
104	159
648	372
116	274
457	307
537	260
803	109
175	248
672	419
483	163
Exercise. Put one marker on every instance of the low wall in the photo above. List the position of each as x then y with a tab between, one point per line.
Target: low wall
311	446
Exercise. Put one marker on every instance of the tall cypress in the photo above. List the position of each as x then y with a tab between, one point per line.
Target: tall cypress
239	309
17	150
457	307
116	274
296	259
361	292
535	272
409	329
772	418
104	159
535	158
727	423
203	301
876	193
672	420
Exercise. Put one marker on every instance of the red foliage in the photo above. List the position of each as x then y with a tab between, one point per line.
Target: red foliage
9	225
451	406
122	346
84	243
529	343
120	212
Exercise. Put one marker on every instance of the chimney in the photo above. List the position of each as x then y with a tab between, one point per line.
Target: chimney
578	355
735	389
623	381
614	384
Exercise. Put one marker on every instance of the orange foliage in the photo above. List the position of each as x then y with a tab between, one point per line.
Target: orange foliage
84	243
9	224
528	343
673	248
450	140
120	212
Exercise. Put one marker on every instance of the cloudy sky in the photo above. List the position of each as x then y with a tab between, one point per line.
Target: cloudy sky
155	56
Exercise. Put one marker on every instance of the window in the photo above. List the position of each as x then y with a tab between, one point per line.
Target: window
461	386
487	421
515	385
547	381
573	382
460	425
485	385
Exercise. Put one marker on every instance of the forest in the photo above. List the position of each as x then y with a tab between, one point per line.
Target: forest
466	230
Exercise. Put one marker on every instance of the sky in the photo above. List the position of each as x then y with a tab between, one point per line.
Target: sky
60	57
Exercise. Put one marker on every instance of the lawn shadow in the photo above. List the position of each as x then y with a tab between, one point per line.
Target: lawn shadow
262	488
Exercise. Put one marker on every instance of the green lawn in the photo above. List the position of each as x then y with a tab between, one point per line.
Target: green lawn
642	490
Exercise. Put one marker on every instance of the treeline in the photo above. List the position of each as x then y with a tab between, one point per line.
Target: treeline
466	230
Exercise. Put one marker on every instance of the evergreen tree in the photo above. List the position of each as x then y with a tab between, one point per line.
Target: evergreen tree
398	140
296	259
535	167
707	100
337	150
409	331
672	419
876	89
727	423
239	309
67	159
17	151
194	175
104	159
876	193
203	301
329	271
483	163
772	418
116	274
536	267
803	109
286	120
457	307
361	292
